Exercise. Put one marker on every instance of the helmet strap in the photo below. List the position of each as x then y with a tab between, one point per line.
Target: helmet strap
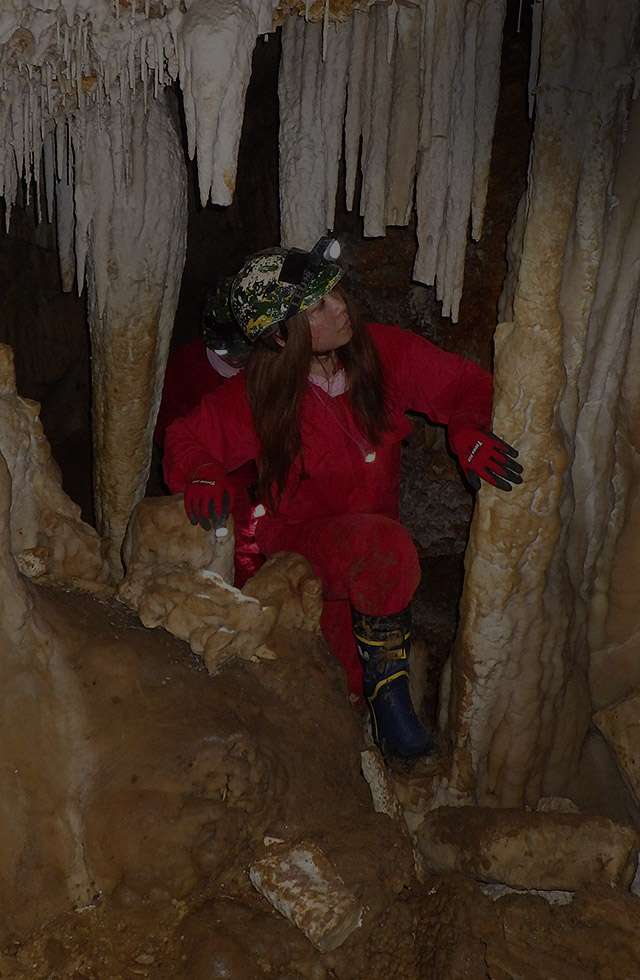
300	292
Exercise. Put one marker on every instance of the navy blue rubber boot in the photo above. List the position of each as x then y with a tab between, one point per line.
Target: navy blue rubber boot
384	644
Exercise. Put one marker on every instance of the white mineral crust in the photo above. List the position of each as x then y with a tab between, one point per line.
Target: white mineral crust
302	884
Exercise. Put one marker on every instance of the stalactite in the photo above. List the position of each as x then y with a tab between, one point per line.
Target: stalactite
66	61
608	428
487	90
135	249
309	89
377	122
215	46
358	59
435	62
534	61
404	123
441	43
460	77
59	65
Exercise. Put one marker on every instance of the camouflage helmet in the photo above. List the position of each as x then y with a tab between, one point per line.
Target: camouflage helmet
218	329
277	283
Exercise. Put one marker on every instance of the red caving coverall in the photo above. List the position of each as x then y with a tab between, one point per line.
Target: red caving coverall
188	378
340	506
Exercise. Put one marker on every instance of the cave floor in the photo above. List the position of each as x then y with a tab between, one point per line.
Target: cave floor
295	765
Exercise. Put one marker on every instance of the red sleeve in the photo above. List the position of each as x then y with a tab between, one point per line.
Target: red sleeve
219	429
424	378
188	378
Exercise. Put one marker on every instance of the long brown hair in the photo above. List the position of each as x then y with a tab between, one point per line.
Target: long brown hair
276	385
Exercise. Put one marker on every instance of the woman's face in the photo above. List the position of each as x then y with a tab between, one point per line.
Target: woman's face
329	323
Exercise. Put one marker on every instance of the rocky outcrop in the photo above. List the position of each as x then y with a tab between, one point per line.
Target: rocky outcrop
545	851
178	577
47	537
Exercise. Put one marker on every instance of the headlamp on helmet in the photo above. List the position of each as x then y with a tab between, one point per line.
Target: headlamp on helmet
300	267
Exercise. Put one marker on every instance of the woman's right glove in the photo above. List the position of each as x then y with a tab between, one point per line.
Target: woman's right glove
483	455
208	498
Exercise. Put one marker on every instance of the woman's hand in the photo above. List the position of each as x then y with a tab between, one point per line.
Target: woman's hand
208	498
484	456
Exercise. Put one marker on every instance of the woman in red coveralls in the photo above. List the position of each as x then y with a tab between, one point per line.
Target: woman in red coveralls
194	369
321	408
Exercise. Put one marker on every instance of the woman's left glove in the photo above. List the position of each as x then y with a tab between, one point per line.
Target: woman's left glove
483	455
208	498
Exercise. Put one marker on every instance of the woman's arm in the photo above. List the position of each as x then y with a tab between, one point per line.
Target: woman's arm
424	378
219	430
454	391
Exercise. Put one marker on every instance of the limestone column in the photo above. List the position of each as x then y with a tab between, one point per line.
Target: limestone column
131	221
520	700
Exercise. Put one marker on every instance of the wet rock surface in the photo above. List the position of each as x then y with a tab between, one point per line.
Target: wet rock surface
178	780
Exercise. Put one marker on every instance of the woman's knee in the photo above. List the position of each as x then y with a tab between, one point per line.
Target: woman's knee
386	572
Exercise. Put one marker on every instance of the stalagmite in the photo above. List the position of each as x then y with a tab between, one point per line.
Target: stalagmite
49	541
180	578
538	566
609	429
286	582
41	851
177	577
377	776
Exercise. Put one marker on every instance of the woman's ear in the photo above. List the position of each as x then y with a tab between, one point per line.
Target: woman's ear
275	340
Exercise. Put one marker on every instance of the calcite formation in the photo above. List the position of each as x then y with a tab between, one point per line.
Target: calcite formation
303	885
48	539
618	722
412	91
139	805
178	577
85	115
421	82
535	851
549	568
549	615
181	578
130	221
286	582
